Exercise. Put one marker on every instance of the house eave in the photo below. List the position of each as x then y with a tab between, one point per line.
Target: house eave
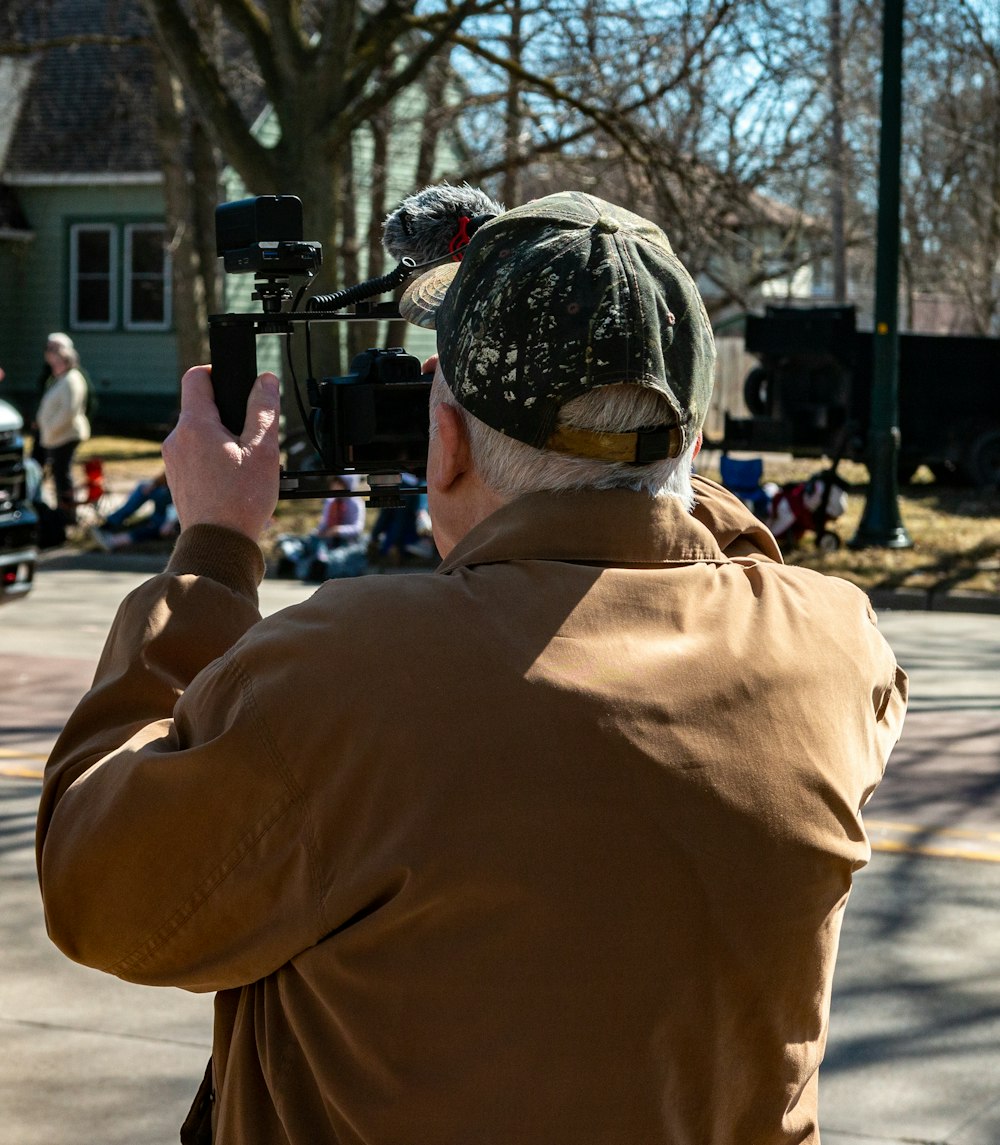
96	179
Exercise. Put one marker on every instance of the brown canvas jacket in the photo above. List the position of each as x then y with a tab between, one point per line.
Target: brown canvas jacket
551	846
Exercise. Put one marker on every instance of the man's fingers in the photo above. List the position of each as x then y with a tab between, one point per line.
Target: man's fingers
197	397
263	402
215	477
263	408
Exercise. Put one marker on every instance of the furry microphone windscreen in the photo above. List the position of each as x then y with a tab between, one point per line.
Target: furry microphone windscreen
428	225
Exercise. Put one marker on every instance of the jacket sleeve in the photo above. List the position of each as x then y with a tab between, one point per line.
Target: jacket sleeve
168	824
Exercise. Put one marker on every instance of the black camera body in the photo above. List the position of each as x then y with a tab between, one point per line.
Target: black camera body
372	421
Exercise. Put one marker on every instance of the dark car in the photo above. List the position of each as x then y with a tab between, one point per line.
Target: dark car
18	522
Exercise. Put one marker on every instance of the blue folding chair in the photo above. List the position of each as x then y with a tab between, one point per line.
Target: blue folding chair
743	477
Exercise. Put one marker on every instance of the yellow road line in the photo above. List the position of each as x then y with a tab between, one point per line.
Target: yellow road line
937	852
916	829
13	771
935	842
20	773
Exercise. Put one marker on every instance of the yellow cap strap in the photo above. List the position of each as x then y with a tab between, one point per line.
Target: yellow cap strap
640	447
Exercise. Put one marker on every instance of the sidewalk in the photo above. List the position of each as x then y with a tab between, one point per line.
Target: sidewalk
914	1052
87	1059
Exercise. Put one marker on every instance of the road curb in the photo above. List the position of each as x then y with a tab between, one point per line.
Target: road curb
94	560
934	600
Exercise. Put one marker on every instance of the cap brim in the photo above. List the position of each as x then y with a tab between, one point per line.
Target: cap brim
421	299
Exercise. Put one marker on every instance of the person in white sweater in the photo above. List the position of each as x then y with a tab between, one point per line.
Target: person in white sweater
62	418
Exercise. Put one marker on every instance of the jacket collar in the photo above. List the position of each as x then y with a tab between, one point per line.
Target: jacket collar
604	527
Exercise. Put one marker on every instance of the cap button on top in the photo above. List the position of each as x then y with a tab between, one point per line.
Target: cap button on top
607	225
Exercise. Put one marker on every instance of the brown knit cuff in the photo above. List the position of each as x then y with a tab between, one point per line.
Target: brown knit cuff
221	554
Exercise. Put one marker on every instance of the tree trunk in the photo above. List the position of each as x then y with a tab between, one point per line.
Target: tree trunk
188	288
319	184
838	192
205	195
512	135
435	88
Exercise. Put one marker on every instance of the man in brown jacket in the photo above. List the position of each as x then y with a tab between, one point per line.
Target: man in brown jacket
548	847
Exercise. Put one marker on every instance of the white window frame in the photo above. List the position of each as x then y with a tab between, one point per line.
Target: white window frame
75	321
129	323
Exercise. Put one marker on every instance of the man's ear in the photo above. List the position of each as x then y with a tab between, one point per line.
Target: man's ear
697	446
451	457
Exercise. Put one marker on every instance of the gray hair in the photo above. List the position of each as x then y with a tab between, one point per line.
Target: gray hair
511	468
63	345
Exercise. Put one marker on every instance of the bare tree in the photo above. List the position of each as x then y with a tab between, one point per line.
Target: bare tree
951	205
689	110
747	129
326	69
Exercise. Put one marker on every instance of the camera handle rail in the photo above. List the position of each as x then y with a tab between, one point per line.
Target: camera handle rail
374	420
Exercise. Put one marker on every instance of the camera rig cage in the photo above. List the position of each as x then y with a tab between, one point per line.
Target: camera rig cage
372	421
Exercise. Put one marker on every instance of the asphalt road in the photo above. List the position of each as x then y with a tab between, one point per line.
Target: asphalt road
914	1052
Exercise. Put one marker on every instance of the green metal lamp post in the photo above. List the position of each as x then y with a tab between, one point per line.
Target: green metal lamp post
881	524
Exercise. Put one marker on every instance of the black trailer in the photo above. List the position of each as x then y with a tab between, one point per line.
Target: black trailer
811	394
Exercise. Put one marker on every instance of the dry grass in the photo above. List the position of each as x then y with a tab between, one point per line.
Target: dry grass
126	459
956	531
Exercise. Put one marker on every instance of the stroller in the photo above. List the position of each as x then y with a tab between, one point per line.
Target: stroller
793	509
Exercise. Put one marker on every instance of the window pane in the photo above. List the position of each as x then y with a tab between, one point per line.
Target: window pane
147	252
93	251
148	276
93	300
92	290
147	300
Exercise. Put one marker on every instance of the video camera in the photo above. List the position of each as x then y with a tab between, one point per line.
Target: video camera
371	421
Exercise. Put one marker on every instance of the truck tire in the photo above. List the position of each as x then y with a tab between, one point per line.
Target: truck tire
983	459
757	392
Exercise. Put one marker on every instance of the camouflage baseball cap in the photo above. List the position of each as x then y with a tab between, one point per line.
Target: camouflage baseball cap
557	297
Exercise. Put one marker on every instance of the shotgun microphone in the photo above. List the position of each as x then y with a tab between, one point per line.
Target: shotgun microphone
437	222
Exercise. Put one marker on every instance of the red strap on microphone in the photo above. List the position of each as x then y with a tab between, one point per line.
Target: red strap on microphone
460	239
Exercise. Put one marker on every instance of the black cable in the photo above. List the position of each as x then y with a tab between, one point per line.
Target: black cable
364	290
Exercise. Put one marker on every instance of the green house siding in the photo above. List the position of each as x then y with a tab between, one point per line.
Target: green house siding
134	372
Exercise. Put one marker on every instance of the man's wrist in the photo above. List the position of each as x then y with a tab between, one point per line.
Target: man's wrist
221	554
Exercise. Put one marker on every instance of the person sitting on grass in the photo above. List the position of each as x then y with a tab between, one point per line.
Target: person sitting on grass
161	521
336	547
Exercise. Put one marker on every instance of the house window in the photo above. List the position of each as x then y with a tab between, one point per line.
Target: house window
147	278
93	277
120	277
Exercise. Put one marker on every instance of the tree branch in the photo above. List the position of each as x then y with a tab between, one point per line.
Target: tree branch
247	19
379	39
33	47
286	47
217	108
